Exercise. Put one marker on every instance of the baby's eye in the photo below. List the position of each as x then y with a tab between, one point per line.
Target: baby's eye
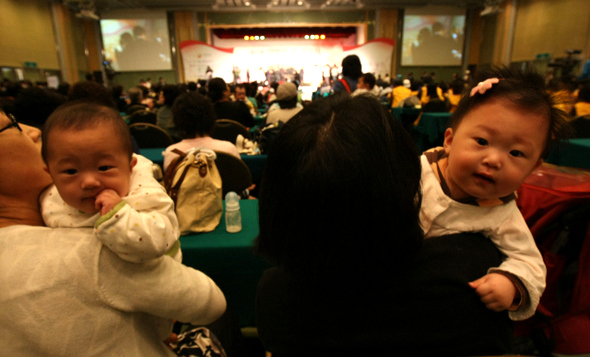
104	168
70	171
516	153
482	141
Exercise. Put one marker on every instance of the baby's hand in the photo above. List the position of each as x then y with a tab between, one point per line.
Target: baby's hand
495	290
106	200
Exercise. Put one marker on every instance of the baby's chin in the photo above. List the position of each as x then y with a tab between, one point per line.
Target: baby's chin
87	208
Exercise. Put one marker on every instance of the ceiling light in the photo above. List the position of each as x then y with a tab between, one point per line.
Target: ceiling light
247	3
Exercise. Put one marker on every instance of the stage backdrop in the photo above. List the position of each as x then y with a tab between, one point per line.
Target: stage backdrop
197	56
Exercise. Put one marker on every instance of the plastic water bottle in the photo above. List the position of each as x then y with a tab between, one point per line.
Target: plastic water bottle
233	217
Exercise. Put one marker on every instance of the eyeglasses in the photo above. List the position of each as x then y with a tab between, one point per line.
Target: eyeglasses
13	123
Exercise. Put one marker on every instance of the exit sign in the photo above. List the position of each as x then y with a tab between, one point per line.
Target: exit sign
30	64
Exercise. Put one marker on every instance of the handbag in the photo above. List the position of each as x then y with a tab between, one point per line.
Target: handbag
194	184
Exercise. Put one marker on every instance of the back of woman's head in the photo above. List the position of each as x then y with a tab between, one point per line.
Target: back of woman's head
432	90
525	90
215	89
171	92
584	93
340	192
193	114
34	105
352	67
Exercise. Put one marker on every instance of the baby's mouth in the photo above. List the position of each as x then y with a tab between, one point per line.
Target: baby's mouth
485	177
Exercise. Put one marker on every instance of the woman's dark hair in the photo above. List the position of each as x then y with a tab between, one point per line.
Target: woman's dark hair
431	90
84	115
525	91
171	92
352	67
193	114
34	105
458	85
584	93
340	193
215	89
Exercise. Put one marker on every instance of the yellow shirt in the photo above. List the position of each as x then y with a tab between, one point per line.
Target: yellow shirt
400	93
582	108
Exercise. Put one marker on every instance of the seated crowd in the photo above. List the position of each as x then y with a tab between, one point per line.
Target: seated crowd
376	248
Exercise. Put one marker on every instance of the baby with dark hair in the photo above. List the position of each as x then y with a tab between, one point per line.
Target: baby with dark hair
100	183
499	134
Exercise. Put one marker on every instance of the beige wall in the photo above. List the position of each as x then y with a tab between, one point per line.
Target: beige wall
27	34
551	26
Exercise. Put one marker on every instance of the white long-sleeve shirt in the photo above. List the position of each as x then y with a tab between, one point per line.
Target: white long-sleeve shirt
503	224
64	294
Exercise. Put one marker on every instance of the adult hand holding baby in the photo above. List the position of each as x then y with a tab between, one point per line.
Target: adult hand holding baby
496	291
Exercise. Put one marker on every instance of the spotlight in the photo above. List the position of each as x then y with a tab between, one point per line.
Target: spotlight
251	38
262	37
246	38
307	37
323	37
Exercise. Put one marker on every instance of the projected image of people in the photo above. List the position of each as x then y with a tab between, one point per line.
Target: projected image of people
135	45
433	40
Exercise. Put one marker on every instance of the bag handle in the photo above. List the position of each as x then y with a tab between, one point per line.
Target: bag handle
169	174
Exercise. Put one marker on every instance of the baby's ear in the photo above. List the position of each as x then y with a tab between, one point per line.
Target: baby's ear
133	163
448	140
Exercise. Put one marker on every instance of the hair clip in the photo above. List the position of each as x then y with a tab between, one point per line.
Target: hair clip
482	87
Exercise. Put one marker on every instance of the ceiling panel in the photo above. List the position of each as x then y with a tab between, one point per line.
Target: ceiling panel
262	5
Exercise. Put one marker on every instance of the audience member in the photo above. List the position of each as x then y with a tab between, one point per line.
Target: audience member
135	101
118	93
288	105
165	120
581	124
86	300
351	71
333	294
219	94
367	84
455	93
431	91
194	118
582	106
401	91
432	102
241	96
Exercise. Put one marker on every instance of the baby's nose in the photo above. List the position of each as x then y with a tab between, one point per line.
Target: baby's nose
89	182
493	159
